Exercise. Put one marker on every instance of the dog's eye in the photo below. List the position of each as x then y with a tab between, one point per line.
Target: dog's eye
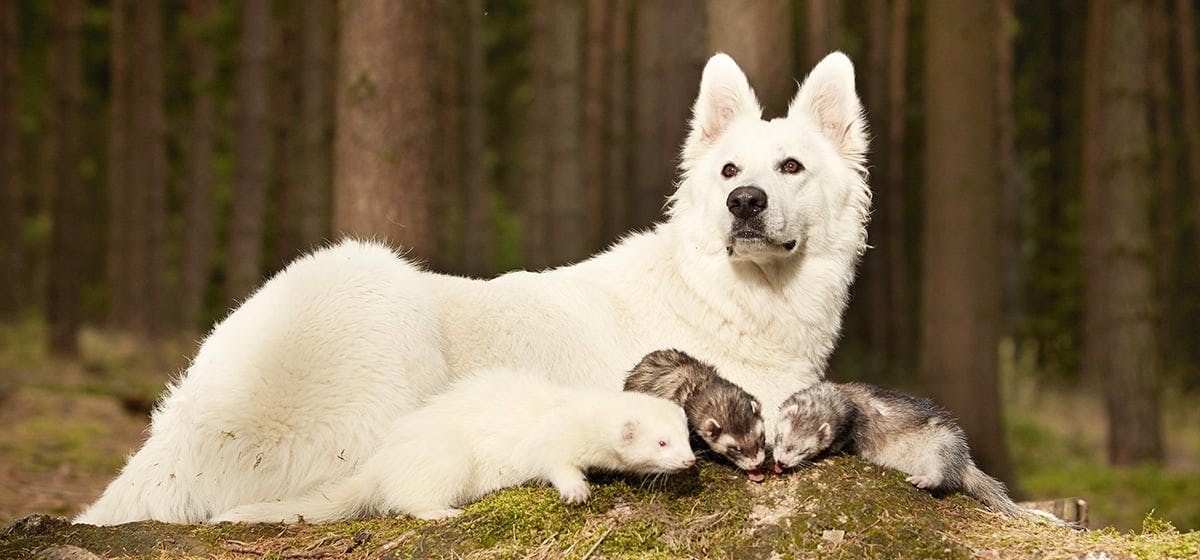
791	166
729	170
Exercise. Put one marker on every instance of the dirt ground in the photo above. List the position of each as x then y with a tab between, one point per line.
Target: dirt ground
61	441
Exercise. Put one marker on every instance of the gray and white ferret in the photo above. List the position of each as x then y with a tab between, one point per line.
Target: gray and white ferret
909	434
723	414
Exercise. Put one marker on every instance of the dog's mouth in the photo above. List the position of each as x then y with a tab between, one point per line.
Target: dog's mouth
749	237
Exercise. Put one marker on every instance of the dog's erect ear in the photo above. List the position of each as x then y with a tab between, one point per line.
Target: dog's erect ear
828	98
724	96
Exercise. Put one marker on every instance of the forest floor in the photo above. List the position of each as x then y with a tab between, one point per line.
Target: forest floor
65	428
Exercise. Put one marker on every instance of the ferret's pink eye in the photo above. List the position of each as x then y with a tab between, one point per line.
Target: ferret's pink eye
662	443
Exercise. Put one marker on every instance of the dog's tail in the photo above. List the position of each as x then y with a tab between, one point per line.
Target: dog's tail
342	500
994	494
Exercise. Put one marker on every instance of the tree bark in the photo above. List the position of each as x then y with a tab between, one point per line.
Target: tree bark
478	251
68	206
555	223
823	23
384	150
758	35
199	234
1189	77
960	304
252	158
124	209
283	200
617	168
899	215
148	174
318	37
12	261
669	55
1119	304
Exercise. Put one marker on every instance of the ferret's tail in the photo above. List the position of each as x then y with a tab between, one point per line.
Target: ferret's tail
994	494
344	499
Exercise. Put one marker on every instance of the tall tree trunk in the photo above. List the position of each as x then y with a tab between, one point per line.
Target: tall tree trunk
252	159
823	24
1189	76
478	252
12	261
758	35
1012	275
960	304
199	234
384	151
1119	304
68	206
597	112
123	258
899	216
282	203
148	174
554	225
449	55
1166	158
669	55
318	36
617	137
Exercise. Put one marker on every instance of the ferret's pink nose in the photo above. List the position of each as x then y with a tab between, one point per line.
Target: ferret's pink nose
689	462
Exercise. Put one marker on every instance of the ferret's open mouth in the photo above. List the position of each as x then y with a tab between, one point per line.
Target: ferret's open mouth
756	475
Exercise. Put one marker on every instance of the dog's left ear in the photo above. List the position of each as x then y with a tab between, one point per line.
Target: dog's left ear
725	95
828	98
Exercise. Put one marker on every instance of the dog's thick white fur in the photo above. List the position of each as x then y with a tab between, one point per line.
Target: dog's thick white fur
294	388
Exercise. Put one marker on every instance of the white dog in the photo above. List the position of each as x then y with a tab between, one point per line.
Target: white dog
750	273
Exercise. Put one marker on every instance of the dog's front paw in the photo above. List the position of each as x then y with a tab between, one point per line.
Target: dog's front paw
575	493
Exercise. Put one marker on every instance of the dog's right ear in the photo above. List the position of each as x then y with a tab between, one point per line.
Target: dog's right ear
725	95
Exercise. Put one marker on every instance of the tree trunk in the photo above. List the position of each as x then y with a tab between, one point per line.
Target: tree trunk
318	36
68	207
555	222
1119	305
252	158
199	233
478	252
1189	73
669	55
124	259
597	113
901	255
148	174
12	261
960	304
384	150
282	203
758	35
823	23
1012	275
617	134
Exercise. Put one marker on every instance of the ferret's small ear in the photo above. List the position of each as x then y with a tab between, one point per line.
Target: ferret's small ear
628	431
824	431
789	410
710	429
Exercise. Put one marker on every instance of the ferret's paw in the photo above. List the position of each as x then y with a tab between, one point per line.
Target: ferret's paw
922	482
435	514
575	493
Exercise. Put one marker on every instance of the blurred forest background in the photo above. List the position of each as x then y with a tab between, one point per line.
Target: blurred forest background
1036	170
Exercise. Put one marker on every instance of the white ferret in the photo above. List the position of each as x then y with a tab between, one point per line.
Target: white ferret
493	430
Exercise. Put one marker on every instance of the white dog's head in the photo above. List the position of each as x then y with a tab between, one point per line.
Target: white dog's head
767	190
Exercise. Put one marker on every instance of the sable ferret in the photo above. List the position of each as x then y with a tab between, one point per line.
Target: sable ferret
887	428
494	430
724	415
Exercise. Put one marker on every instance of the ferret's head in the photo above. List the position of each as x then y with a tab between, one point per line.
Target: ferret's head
809	421
653	436
733	428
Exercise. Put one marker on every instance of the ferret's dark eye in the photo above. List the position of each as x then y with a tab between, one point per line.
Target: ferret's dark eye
729	170
735	449
791	166
662	443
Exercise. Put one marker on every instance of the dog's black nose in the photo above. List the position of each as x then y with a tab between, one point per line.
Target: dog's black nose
746	202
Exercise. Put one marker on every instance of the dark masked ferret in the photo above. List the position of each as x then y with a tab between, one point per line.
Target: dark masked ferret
724	415
887	428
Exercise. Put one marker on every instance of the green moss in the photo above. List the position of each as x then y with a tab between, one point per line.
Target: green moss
43	443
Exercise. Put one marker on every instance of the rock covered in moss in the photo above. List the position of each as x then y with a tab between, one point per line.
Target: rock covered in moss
842	507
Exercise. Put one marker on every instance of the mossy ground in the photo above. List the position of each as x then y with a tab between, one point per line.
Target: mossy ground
842	508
